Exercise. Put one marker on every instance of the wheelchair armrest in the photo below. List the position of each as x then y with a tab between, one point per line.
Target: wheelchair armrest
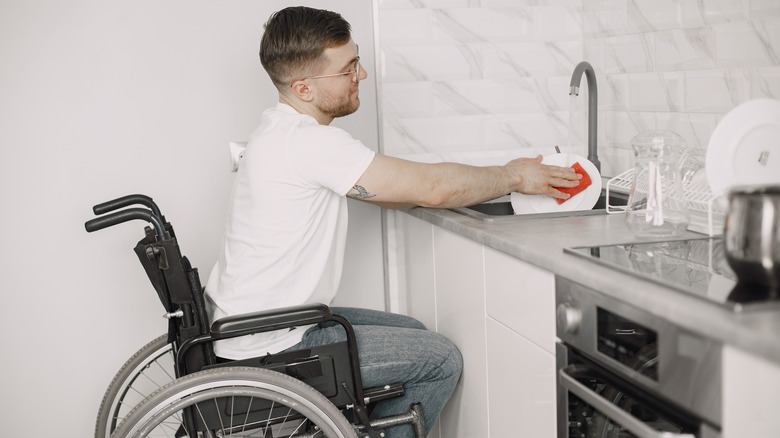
269	320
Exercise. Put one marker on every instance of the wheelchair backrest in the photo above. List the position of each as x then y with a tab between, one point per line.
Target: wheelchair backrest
178	286
174	279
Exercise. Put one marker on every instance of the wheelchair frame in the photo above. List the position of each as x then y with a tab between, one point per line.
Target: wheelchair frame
190	338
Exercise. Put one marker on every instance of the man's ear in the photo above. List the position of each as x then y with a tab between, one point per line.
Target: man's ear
302	91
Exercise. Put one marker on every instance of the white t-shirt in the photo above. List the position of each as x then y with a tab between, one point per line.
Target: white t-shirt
286	226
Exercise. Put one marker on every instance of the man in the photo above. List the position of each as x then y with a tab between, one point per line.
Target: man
287	222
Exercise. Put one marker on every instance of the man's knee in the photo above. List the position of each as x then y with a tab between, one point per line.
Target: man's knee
455	361
450	358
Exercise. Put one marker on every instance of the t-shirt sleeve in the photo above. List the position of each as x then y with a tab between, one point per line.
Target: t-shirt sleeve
329	157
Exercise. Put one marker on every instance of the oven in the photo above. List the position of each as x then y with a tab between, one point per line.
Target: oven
622	372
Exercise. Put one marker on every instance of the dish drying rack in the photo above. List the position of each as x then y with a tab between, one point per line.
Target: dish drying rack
707	210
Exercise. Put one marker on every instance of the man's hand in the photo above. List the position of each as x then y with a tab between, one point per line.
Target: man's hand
541	179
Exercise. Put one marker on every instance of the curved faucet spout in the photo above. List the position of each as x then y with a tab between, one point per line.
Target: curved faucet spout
574	88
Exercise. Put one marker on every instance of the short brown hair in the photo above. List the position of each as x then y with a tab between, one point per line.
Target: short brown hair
294	40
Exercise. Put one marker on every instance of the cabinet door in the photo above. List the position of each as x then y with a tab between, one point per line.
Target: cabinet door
460	317
522	297
751	395
415	280
521	385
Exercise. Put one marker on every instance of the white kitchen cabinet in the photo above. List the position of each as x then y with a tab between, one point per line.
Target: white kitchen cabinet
751	395
520	303
521	385
417	279
499	311
522	297
460	316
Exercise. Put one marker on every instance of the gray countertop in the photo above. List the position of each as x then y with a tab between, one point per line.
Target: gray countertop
541	242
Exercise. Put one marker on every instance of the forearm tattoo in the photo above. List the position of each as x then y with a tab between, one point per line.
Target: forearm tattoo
362	193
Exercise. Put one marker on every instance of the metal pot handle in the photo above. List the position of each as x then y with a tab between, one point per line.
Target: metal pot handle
637	427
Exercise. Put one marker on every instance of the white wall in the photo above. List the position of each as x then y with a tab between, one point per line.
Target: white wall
99	99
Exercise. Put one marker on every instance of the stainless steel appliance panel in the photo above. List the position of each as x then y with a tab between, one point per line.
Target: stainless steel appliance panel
652	356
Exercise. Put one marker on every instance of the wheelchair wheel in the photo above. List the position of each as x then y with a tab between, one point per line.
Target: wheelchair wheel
145	372
236	402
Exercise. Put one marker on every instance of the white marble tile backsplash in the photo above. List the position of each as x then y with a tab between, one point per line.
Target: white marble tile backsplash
656	91
715	91
469	77
764	82
747	43
530	59
764	8
684	49
628	53
653	15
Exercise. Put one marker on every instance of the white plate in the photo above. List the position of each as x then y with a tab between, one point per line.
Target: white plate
745	147
584	200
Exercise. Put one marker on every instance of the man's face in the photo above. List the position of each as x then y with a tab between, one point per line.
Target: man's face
338	96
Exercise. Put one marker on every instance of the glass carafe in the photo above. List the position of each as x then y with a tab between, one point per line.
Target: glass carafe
657	206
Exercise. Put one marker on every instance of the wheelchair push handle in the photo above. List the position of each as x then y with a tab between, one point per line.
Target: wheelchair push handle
122	216
124	201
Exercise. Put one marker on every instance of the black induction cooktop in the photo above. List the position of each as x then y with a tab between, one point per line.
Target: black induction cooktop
694	266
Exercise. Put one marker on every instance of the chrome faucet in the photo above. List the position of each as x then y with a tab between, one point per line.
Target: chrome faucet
574	88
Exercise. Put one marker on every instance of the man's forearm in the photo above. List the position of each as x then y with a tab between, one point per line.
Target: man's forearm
458	185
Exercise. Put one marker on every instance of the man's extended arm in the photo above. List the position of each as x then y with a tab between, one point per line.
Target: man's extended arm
397	183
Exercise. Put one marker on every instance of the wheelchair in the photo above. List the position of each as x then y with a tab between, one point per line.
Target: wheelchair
175	386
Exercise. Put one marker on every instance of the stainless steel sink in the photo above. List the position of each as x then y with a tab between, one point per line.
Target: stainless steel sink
500	210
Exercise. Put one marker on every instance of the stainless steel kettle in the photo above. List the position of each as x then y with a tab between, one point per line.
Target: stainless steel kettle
752	236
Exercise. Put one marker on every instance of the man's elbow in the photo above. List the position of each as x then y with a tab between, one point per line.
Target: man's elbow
436	198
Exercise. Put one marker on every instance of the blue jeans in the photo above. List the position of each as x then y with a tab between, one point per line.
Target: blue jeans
394	348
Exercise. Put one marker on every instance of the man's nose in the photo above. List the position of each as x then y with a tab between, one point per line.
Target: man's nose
362	73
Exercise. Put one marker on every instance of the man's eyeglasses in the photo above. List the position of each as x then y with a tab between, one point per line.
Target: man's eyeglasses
355	72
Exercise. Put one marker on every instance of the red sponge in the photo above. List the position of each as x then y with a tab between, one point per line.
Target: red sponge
584	183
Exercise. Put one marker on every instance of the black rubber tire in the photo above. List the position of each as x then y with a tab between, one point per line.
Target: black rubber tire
206	387
123	393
